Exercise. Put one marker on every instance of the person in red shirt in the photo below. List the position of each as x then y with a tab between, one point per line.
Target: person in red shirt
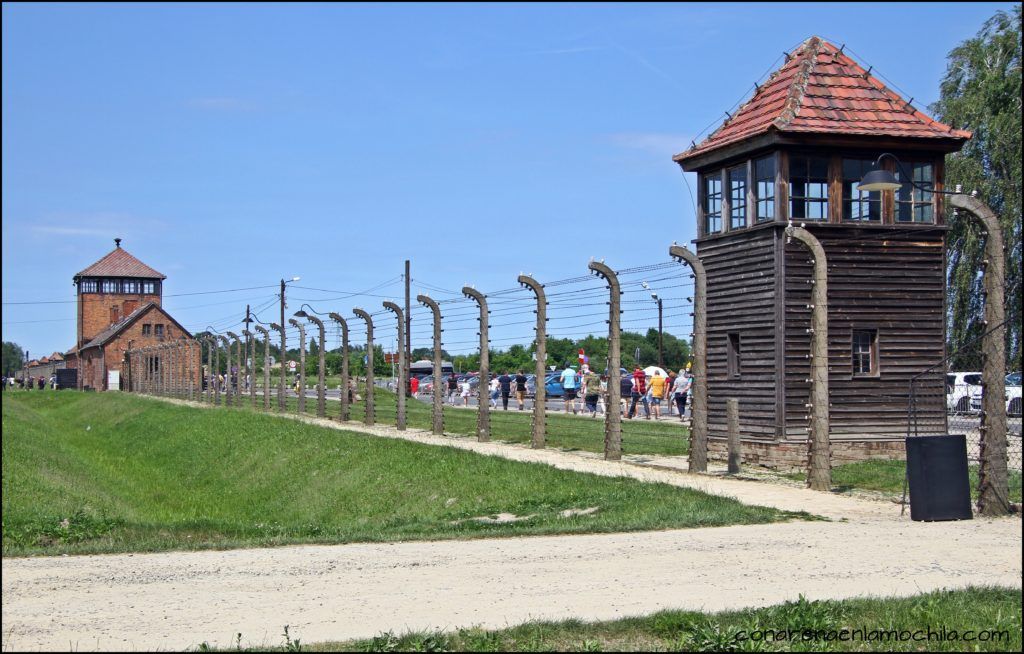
639	393
414	386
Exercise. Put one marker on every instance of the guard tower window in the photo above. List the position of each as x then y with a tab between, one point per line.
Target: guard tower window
859	206
733	354
130	286
738	197
865	353
914	205
110	286
88	286
149	288
808	188
764	188
713	202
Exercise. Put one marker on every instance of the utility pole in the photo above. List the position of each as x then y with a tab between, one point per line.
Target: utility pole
661	337
408	319
280	388
250	350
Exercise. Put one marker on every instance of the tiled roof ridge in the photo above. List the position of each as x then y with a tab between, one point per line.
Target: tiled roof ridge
808	52
757	87
140	269
820	89
899	100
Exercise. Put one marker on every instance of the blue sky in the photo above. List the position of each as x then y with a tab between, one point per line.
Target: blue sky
232	145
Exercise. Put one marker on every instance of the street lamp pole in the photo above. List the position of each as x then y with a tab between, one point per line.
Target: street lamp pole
284	350
661	331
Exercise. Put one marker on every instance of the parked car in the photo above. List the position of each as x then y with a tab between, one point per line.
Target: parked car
1013	399
553	384
426	384
960	387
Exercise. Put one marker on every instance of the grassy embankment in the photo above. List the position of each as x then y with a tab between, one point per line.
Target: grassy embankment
971	609
887	477
88	472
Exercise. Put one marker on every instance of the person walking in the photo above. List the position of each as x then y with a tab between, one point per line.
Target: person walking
638	393
670	382
591	391
625	391
505	384
414	387
453	389
521	380
493	391
467	390
569	385
680	391
657	393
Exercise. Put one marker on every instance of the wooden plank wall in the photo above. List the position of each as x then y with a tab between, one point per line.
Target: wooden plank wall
888	280
741	274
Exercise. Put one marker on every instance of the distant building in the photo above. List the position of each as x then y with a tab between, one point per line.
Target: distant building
44	367
119	306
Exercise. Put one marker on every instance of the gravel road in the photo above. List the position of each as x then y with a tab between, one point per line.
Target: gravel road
180	599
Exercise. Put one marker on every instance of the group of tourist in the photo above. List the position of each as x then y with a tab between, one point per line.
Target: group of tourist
639	388
28	383
652	392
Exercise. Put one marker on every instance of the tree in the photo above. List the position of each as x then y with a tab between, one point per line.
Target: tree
13	358
981	92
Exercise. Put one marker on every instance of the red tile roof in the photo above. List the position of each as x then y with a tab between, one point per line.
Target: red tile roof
118	263
821	90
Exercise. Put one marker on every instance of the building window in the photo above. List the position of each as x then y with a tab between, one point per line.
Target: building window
130	286
147	329
865	352
859	206
808	188
154	365
109	286
914	205
764	188
149	288
713	203
733	354
738	197
158	331
88	286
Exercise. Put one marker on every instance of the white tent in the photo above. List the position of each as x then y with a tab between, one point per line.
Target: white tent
650	370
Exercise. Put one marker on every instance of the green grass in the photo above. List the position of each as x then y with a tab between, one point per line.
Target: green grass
568	432
887	477
112	472
974	609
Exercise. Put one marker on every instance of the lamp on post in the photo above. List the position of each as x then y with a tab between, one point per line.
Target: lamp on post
661	347
284	350
993	481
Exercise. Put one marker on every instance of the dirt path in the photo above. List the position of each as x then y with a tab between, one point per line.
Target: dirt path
180	599
177	600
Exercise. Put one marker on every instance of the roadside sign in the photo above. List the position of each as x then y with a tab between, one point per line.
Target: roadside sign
291	366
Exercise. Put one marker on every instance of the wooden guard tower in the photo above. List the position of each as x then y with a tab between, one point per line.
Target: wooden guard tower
796	151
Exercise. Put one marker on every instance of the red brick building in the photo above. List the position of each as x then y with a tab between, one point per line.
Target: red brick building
119	307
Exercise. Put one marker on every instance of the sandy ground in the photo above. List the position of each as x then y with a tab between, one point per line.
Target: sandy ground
180	599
